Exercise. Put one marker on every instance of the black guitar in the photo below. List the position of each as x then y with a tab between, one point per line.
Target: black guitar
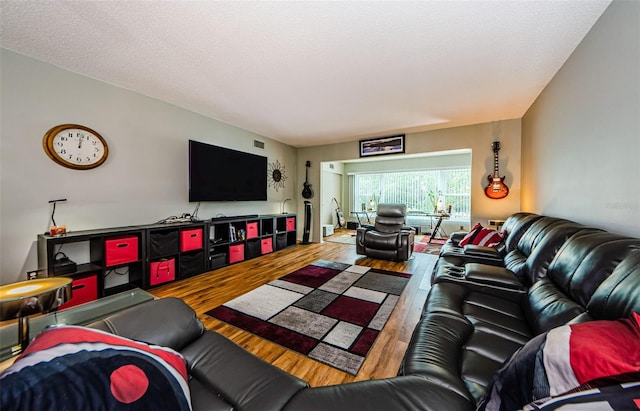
307	192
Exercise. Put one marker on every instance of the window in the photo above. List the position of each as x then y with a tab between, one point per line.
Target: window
418	189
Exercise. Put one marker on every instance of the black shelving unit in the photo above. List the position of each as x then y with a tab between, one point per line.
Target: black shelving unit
175	252
145	245
232	240
101	265
146	256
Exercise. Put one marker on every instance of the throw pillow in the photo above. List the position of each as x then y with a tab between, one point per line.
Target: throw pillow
78	368
566	359
482	236
613	397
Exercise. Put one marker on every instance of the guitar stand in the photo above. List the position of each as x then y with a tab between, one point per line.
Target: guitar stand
437	229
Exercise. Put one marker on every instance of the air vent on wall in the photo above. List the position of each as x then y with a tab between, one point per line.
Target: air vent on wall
258	144
331	166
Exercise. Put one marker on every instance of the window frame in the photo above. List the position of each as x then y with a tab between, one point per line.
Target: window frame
418	201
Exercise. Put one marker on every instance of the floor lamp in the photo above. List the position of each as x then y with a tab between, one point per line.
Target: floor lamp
22	299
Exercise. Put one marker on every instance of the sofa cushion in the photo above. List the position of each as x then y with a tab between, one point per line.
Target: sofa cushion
482	331
567	358
71	367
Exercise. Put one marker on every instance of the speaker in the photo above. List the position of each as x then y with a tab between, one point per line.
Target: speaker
307	222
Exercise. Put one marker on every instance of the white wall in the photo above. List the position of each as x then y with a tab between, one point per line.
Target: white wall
477	138
331	187
581	138
144	179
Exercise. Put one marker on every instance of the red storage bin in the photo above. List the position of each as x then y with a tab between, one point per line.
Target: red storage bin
252	230
162	271
121	250
236	253
190	239
83	290
266	245
291	223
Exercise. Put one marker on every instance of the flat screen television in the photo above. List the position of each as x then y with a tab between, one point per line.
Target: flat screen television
221	174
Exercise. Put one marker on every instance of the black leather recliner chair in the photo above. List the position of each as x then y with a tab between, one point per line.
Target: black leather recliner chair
389	238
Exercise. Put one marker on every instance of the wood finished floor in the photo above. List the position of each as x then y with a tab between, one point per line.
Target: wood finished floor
209	290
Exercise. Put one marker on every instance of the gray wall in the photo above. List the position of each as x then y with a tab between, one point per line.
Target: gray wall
144	179
581	138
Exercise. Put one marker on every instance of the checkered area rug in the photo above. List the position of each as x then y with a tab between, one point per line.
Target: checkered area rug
331	312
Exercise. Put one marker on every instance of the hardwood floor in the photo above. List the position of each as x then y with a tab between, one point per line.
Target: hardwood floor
208	290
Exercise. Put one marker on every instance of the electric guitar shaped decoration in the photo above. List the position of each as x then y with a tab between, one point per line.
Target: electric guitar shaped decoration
307	191
496	189
342	222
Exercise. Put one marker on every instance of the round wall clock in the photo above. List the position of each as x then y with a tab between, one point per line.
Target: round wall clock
276	175
75	146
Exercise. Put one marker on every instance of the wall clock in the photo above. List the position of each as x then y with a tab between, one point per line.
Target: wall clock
276	175
75	146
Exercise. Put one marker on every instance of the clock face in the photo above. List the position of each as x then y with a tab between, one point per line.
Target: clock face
75	146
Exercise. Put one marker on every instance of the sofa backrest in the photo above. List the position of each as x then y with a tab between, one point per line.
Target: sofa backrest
548	247
578	269
390	218
168	322
517	257
515	226
544	236
619	294
587	260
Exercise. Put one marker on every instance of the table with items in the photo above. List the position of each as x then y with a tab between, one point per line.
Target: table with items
361	215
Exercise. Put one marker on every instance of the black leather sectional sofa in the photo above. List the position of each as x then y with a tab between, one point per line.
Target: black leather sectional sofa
484	304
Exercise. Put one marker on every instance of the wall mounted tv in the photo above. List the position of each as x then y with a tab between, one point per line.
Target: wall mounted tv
221	174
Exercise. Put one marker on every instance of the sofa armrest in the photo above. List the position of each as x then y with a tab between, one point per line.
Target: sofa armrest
491	275
481	251
456	237
168	322
238	377
399	393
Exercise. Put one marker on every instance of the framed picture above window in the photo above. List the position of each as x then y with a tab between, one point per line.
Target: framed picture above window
382	145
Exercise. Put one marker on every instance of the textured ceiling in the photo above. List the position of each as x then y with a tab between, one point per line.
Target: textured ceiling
309	73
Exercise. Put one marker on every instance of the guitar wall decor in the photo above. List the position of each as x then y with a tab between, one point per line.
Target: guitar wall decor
307	191
496	189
